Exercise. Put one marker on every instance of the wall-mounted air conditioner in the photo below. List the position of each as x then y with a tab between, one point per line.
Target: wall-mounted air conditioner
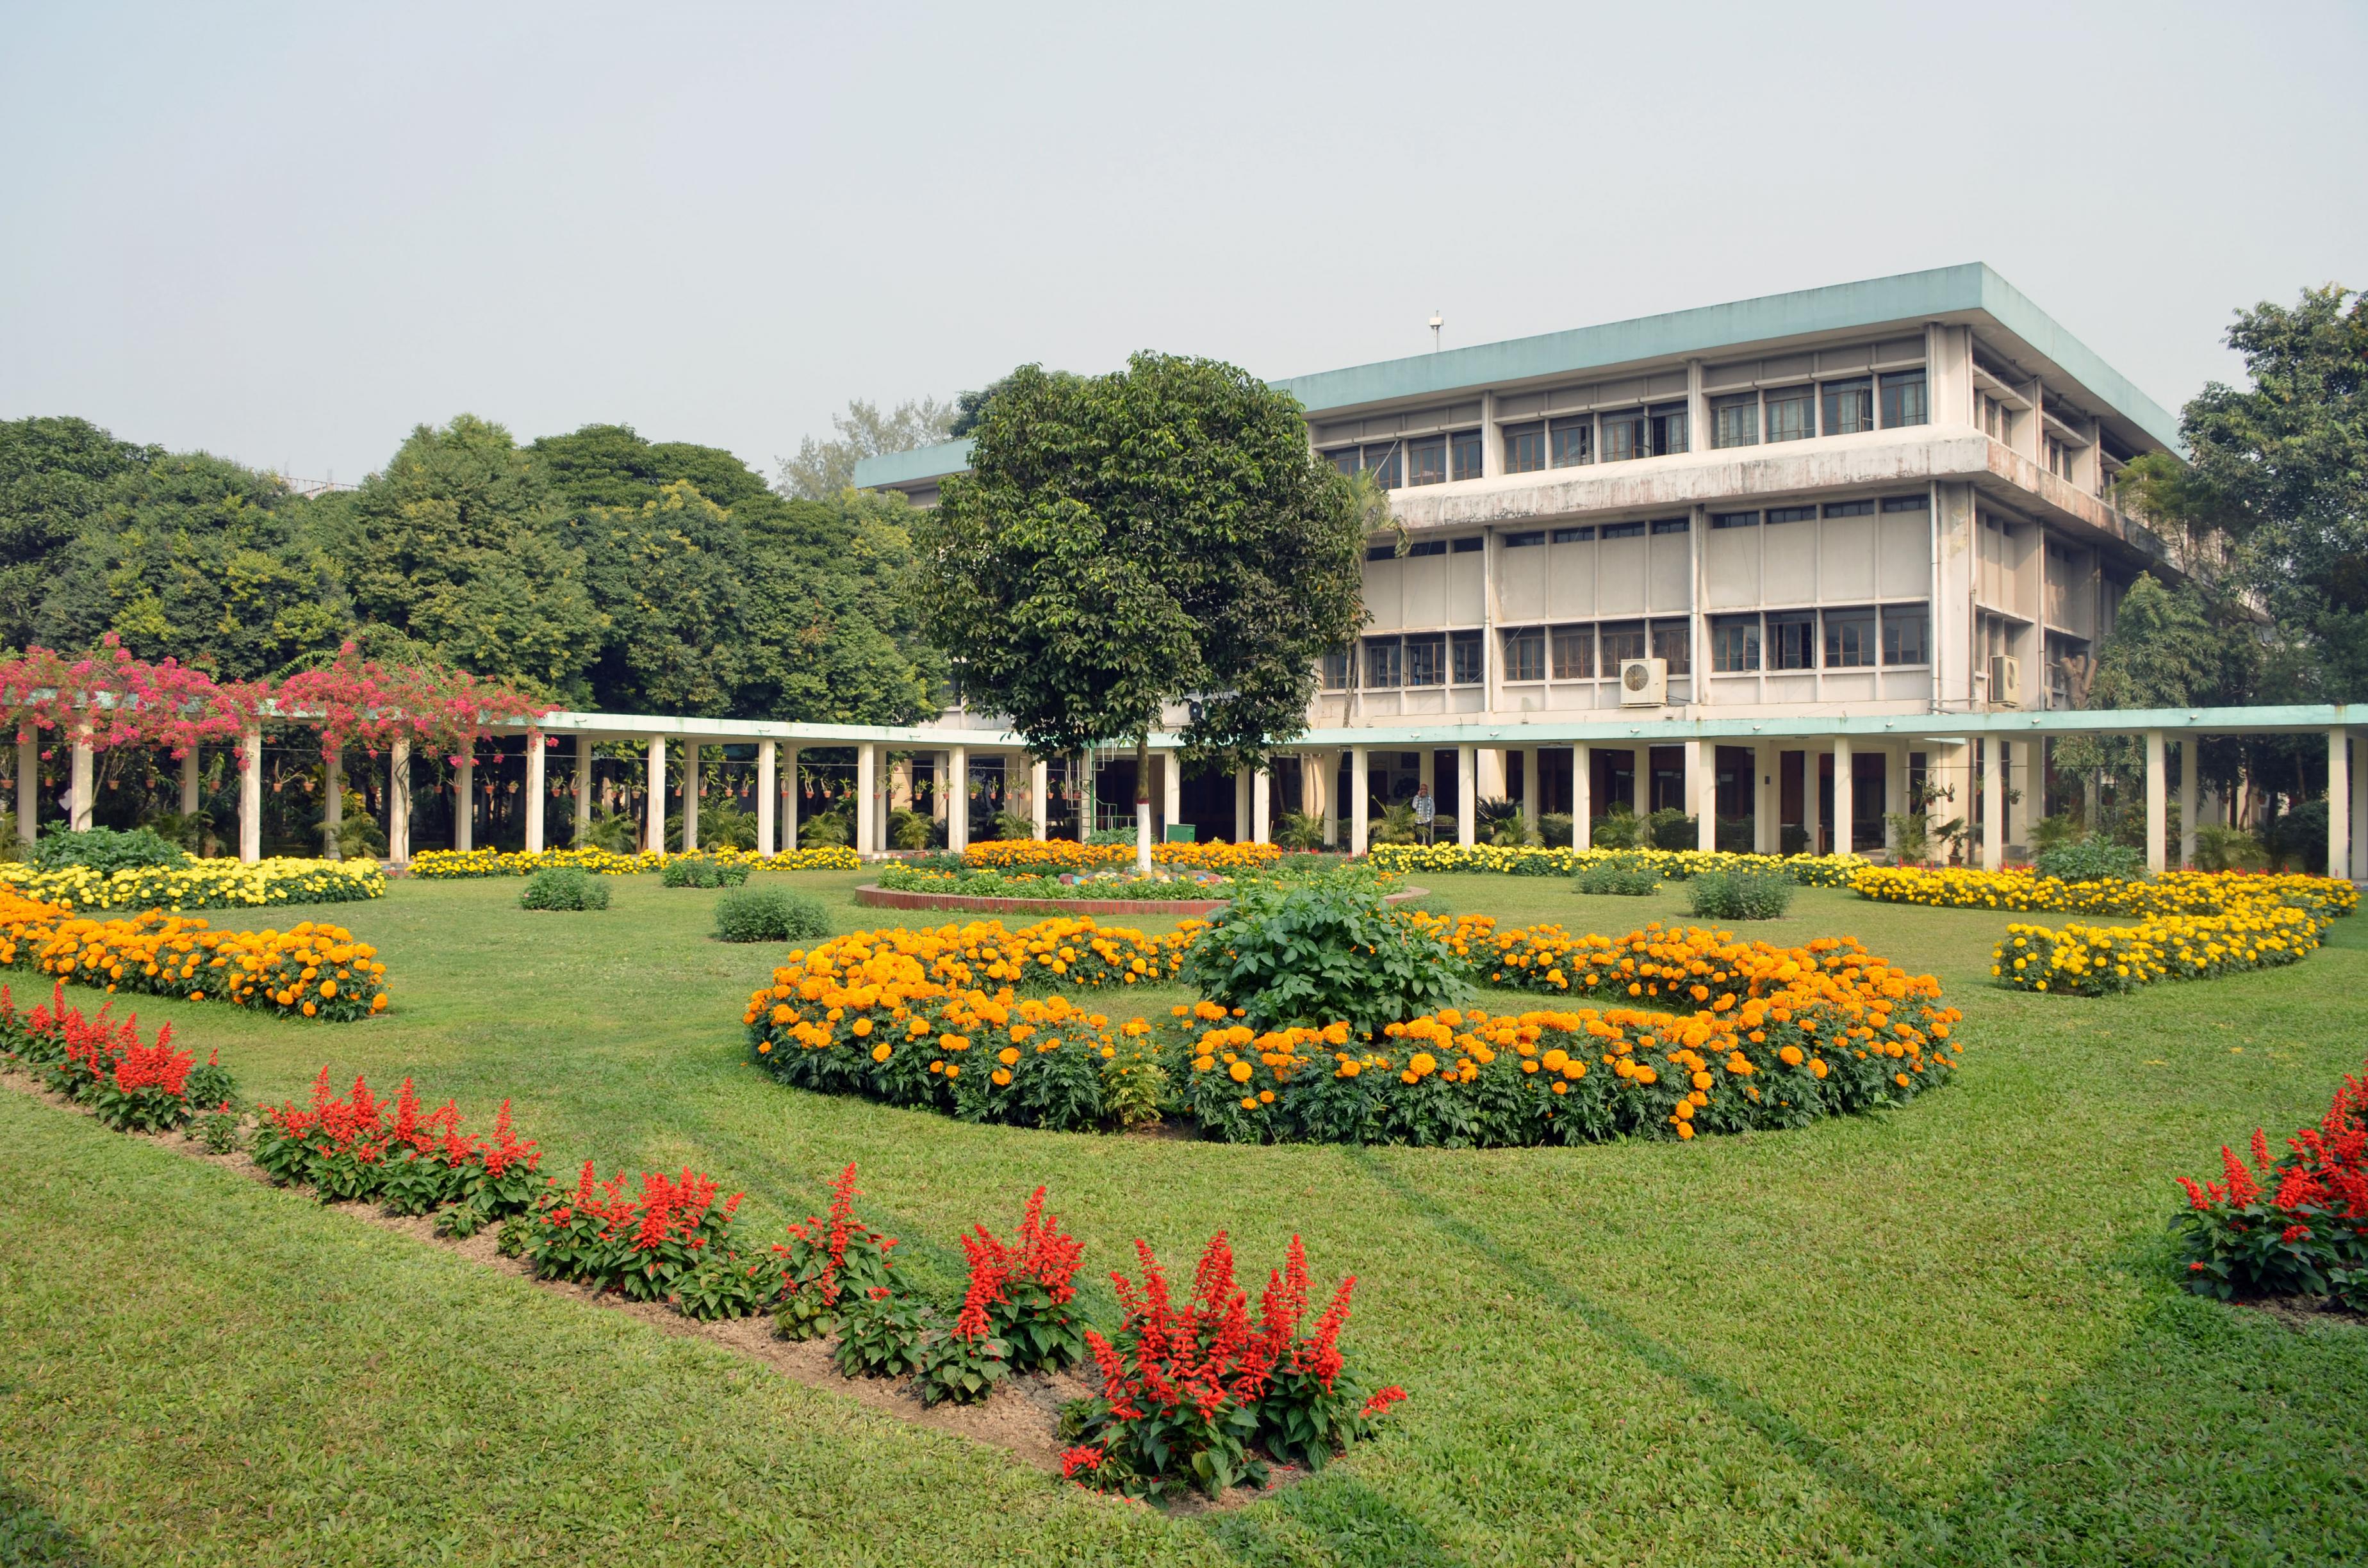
1644	683
2006	681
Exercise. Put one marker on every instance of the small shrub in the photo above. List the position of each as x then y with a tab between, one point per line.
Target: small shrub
769	914
563	888
1625	875
1555	828
1616	830
880	1331
1301	830
913	830
828	1264
2093	859
826	830
107	851
1671	828
220	1132
1912	831
613	830
2224	848
1741	894
1010	826
1321	949
702	871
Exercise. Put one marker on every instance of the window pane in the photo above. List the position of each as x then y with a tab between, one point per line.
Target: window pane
1525	448
1903	635
1781	515
1425	660
1525	654
1850	639
1849	407
1463	648
1335	670
1792	414
1380	663
1624	530
1528	537
1467	454
1573	442
1391	462
1574	653
1427	460
1792	641
1625	437
1902	399
1734	520
1673	641
1346	460
1668	421
1735	421
1624	640
1735	643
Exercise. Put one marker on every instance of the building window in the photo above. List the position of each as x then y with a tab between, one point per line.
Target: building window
1906	503
1381	664
1734	520
1735	421
1573	442
1468	453
1467	544
1672	525
1792	414
1777	514
1388	464
1904	401
1523	539
1624	530
1626	435
1673	642
1574	653
1792	641
1850	639
1425	660
1668	422
1849	508
1336	669
1380	552
1735	644
1573	536
1525	654
1345	459
1624	640
1464	657
1427	460
1427	547
1849	407
1904	633
1525	447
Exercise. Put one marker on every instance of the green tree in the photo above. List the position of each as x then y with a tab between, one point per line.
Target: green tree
2282	466
822	469
55	474
458	546
1127	542
834	635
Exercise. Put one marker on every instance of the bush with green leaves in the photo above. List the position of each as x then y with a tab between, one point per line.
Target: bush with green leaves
2093	859
1301	830
769	914
1671	828
1617	829
702	871
826	830
914	830
563	888
1324	947
106	850
1625	875
1741	892
616	832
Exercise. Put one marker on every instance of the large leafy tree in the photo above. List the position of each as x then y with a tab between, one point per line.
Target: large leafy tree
55	475
2282	466
834	632
1130	542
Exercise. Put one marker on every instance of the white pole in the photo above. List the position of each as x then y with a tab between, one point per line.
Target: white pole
1261	804
654	814
866	798
790	798
1359	798
250	798
958	800
767	796
2189	753
583	790
1467	796
1171	775
2338	807
2157	801
690	783
1702	791
1039	783
1582	795
1845	798
78	804
536	785
1994	804
28	789
1529	789
2359	775
398	802
464	801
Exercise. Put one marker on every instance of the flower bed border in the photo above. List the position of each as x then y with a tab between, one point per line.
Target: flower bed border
878	897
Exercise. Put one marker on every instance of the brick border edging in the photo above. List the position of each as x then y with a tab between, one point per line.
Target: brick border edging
878	897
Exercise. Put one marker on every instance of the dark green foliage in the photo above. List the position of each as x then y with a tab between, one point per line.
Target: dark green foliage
57	477
1617	829
880	1335
2091	860
769	914
702	871
1627	875
1741	892
1321	949
106	850
956	1371
1499	820
563	888
1671	828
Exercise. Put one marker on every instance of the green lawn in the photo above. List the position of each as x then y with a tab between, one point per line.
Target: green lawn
1941	1336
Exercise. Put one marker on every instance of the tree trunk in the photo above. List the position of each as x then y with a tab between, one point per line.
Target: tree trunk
1142	805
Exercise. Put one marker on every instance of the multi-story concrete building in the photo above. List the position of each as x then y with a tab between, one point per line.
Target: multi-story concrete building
1891	500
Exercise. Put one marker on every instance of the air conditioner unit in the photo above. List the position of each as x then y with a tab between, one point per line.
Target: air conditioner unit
1644	683
2006	681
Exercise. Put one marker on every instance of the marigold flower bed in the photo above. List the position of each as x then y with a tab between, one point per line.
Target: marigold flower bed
1745	1036
453	865
1561	860
2173	892
2090	961
1046	856
312	970
207	884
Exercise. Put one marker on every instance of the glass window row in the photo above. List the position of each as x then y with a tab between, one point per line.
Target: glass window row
1847	407
1847	639
1592	651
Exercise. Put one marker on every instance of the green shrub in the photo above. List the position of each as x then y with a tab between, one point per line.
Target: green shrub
1301	830
1671	828
1554	827
1617	829
1324	947
2048	833
826	830
2221	849
614	831
107	851
1629	876
702	871
1912	831
1744	892
1395	825
1012	826
769	914
564	887
914	830
2093	859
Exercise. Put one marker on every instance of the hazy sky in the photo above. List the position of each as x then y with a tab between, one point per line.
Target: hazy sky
287	235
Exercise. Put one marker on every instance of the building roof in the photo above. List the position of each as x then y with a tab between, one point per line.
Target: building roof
1961	292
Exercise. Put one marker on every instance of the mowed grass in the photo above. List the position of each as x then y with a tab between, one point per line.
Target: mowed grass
1944	1334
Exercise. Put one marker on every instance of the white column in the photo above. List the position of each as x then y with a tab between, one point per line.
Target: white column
1530	787
1324	779
654	816
78	815
1262	804
1040	783
1171	776
583	790
1702	793
2359	775
333	805
957	792
250	798
1845	802
769	796
791	798
1241	805
464	801
2339	806
398	802
537	786
2157	801
1359	789
188	781
866	798
1467	796
1994	804
691	750
2189	750
28	789
1089	785
1582	796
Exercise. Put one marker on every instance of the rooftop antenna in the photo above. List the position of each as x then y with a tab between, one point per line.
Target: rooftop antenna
1437	320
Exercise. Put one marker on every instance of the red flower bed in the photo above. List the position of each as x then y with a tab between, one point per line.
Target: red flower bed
131	1084
2297	1225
